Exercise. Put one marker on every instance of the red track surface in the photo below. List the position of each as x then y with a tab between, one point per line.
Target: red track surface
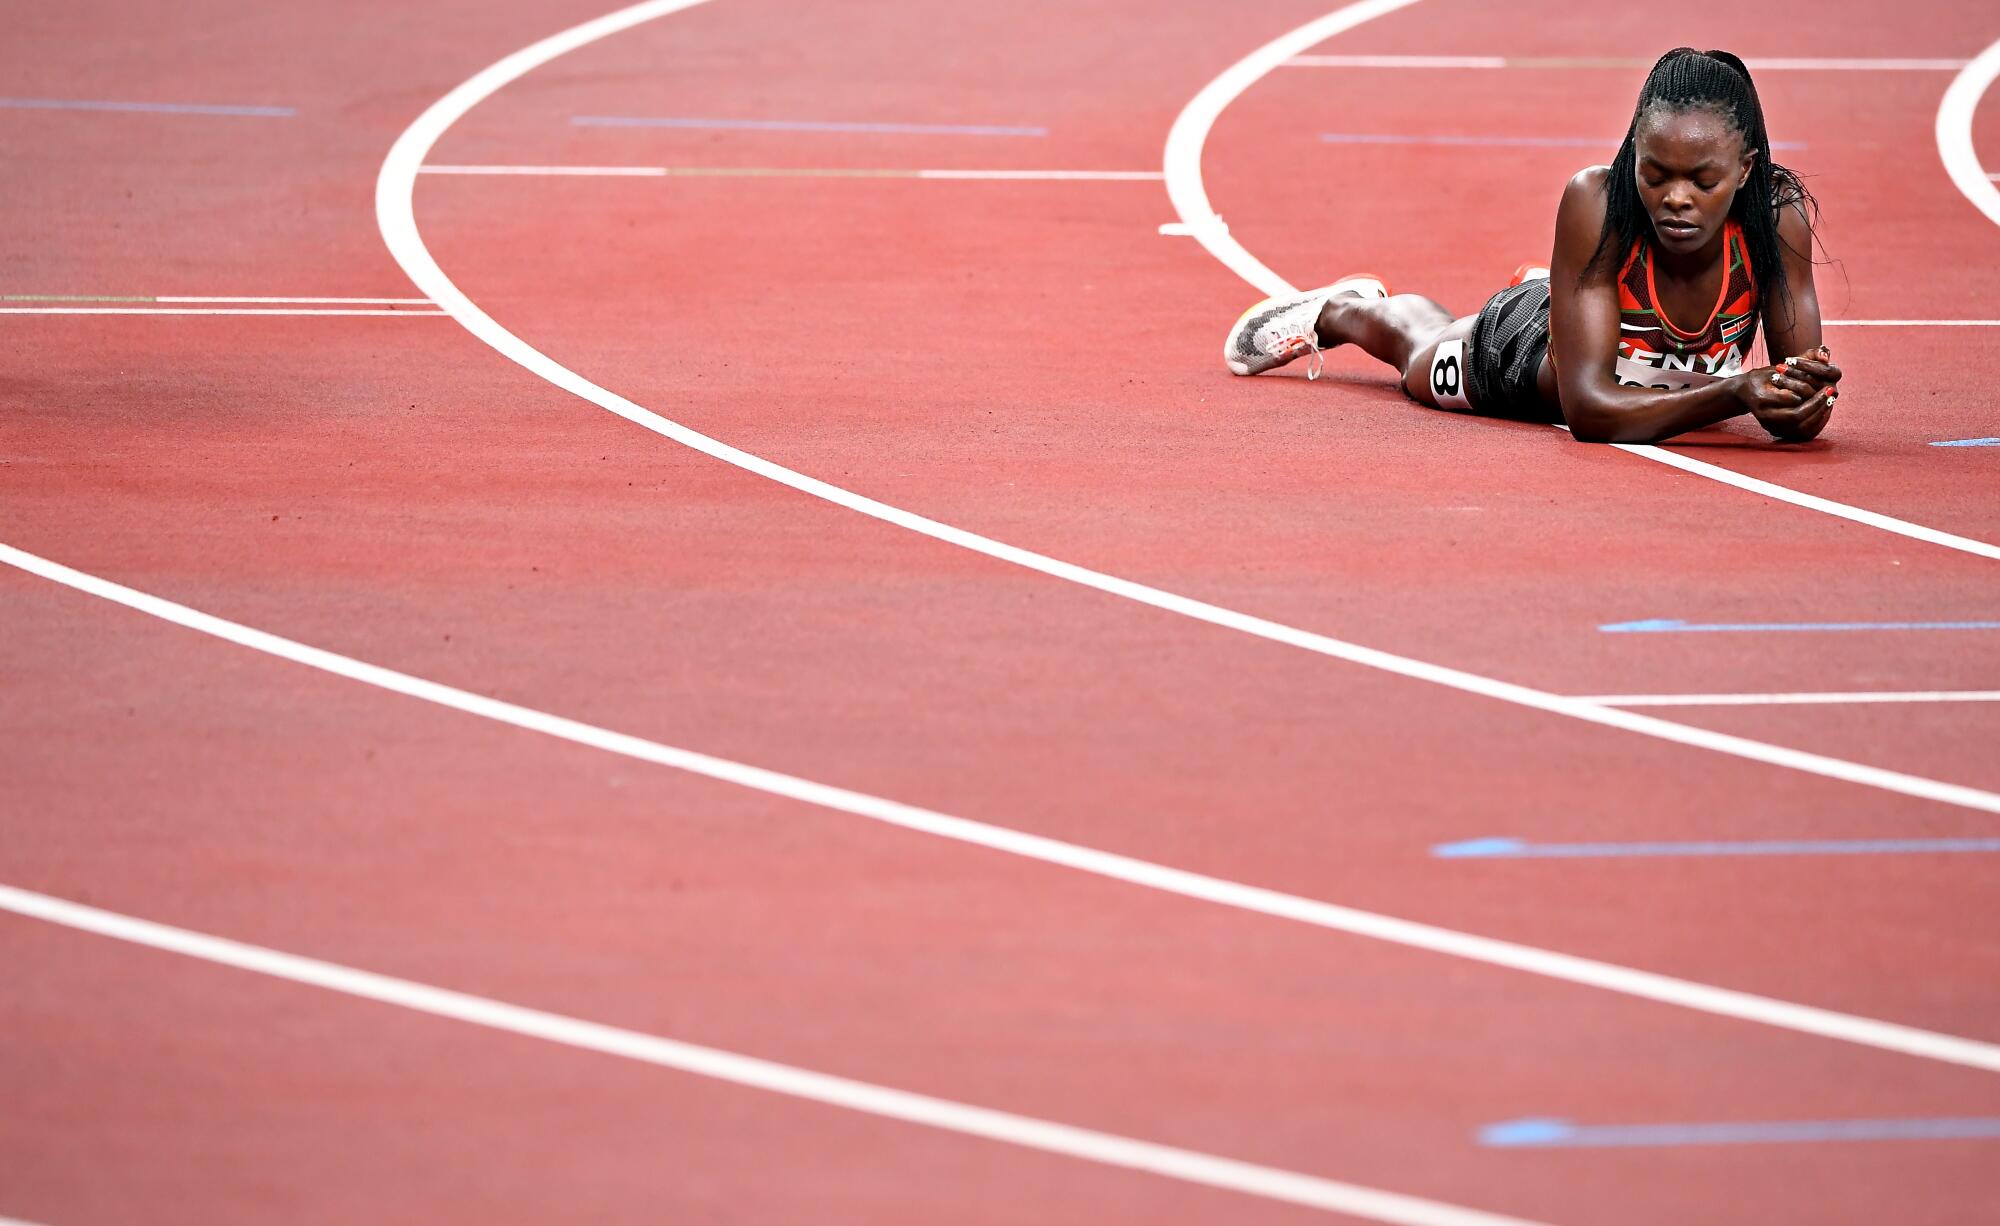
1034	362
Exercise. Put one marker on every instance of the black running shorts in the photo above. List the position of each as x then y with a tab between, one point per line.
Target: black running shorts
1508	340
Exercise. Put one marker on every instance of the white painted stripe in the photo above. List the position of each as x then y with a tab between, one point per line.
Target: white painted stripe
1398	61
657	172
395	216
1607	976
1058	176
1190	197
643	172
1812	502
297	301
1182	159
1778	64
1953	132
1830	698
1107	1149
1910	323
15	310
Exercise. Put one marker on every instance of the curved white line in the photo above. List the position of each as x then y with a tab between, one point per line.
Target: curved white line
1108	1149
395	215
1610	977
1954	132
1190	199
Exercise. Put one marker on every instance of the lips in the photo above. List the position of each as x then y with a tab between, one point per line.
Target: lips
1676	229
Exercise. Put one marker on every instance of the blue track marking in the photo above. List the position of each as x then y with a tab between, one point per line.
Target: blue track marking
1968	442
1532	142
1668	625
805	125
148	108
1517	849
1540	1133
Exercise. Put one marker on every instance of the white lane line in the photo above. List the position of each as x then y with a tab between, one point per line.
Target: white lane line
1910	323
1954	132
1813	502
1107	1149
1610	977
803	172
184	299
18	310
1190	198
639	172
1768	64
395	216
1833	697
297	301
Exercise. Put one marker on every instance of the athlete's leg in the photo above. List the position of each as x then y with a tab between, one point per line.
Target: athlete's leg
1389	329
1405	331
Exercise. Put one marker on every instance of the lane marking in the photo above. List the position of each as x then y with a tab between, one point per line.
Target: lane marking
1968	442
1953	132
187	299
806	125
1190	198
1796	699
1780	64
1027	1132
800	172
395	217
149	108
1455	139
1910	323
1610	977
20	310
1545	1133
1668	625
1517	849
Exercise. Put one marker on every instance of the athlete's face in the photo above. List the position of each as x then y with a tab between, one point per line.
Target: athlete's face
1690	165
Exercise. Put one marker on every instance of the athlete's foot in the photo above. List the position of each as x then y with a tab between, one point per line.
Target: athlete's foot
1277	330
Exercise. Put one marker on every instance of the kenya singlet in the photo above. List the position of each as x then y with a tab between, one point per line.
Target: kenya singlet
1652	352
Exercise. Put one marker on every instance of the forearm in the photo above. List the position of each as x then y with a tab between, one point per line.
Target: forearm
1614	413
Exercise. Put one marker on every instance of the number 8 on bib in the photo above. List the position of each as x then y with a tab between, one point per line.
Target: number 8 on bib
1448	375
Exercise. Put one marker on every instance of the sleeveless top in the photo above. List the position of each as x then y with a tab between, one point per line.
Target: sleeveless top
1654	352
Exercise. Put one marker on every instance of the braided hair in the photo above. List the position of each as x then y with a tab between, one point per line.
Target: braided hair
1686	79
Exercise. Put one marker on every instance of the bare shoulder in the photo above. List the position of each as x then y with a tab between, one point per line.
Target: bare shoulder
1580	217
1584	195
1794	227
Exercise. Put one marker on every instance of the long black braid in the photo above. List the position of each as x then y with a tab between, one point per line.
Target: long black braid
1685	79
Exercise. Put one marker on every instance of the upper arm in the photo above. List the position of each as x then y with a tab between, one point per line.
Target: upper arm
1792	326
1583	310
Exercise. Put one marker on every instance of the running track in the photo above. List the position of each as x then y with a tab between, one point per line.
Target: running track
1030	361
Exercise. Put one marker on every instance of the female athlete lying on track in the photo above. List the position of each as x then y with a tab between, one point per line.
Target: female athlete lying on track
1691	221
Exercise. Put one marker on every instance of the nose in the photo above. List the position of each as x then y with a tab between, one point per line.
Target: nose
1678	199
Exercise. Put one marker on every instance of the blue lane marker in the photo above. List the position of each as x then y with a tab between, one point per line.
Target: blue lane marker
1517	849
1969	442
1533	142
805	125
1544	1133
1668	625
150	108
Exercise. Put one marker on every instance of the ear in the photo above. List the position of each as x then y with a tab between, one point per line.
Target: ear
1749	161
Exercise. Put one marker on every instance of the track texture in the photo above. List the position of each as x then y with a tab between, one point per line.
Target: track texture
1032	361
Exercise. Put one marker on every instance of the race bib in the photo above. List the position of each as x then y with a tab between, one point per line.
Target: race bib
1448	375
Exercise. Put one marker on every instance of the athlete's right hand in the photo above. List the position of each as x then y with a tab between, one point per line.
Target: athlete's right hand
1787	385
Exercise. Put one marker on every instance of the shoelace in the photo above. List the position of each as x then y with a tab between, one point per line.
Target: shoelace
1317	363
